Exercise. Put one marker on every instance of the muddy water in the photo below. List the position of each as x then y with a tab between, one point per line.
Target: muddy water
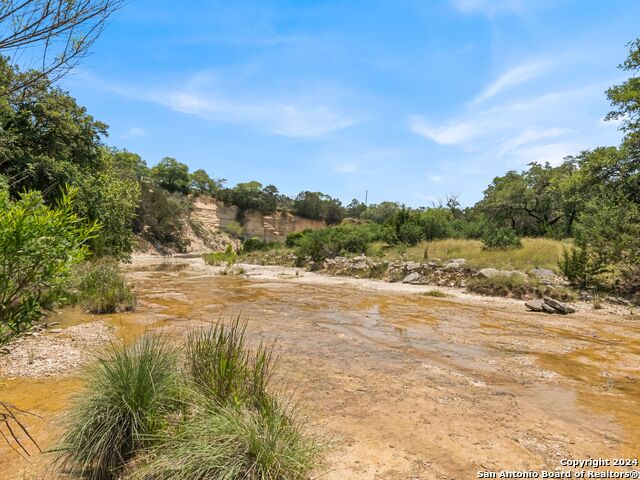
402	385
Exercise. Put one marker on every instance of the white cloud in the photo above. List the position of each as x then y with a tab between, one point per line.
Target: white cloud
435	178
530	136
135	132
528	128
453	133
294	114
512	77
489	8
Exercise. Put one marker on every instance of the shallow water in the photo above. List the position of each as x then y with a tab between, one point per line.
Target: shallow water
413	386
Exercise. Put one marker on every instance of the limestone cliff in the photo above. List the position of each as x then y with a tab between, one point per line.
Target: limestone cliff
213	216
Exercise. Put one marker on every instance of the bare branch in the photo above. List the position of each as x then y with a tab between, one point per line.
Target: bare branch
54	34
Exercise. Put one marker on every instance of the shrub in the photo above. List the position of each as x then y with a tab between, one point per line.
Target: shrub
500	239
436	294
234	229
410	233
579	266
333	241
228	257
102	289
38	247
128	389
254	244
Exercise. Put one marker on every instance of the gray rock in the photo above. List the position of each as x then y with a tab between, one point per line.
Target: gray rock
488	273
535	305
413	277
452	266
547	309
517	273
558	306
411	266
619	301
543	274
461	261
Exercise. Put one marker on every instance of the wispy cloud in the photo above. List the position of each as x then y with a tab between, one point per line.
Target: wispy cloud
514	76
489	8
134	132
302	114
524	129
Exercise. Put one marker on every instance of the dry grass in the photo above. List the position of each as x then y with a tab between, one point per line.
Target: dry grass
535	252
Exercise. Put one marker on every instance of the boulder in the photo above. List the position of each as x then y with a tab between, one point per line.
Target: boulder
413	277
535	305
558	306
547	309
543	274
452	266
411	266
517	273
461	261
487	273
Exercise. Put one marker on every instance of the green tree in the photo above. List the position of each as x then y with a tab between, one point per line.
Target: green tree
112	201
171	175
201	182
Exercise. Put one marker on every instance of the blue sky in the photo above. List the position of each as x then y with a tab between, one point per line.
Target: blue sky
410	100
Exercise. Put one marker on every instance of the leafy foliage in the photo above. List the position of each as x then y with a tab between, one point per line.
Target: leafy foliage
38	247
500	239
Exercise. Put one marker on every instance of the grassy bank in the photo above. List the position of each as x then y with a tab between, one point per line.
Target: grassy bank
534	253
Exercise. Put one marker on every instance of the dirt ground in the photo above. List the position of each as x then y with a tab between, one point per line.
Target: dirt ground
401	385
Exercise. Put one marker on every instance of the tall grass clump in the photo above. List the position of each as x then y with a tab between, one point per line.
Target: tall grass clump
232	425
128	390
101	288
228	257
227	442
223	367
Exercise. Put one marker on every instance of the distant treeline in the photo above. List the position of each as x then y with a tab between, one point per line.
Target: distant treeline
48	142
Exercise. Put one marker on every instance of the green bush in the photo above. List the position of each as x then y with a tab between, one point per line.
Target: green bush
255	244
500	239
228	257
101	288
410	233
38	247
580	266
128	390
334	241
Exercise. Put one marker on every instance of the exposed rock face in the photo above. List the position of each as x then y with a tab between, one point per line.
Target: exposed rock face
493	272
214	215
